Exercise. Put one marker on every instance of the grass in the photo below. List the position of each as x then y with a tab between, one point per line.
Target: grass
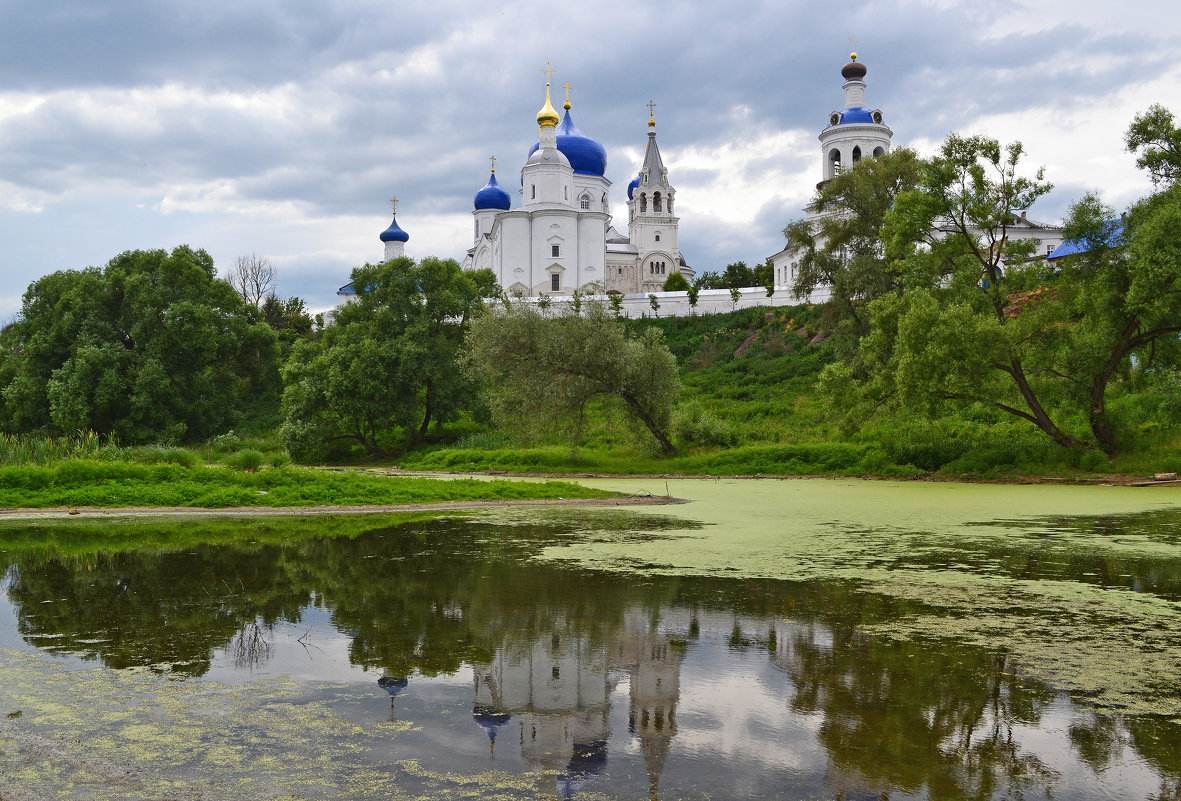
123	484
749	407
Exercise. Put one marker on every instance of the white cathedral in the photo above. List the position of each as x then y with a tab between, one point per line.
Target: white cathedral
560	238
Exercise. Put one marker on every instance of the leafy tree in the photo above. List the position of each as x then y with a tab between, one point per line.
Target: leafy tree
693	292
542	370
387	366
980	321
676	282
841	247
1155	134
654	302
151	347
288	318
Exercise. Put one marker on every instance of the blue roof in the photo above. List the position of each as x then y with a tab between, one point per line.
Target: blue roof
347	289
856	114
394	233
631	188
1072	247
585	154
492	196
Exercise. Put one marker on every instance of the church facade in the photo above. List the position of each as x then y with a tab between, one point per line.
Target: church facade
560	239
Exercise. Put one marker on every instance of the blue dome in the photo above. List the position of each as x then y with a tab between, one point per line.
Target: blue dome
492	196
585	154
632	186
856	114
394	233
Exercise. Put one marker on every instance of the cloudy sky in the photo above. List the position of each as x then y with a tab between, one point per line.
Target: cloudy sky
281	127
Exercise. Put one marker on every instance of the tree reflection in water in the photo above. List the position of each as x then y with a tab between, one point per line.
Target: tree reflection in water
548	646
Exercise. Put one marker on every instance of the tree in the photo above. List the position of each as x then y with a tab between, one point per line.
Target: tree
840	245
693	293
1159	139
542	371
979	320
388	365
676	282
153	347
253	277
654	302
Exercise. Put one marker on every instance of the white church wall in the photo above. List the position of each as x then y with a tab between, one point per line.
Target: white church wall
709	301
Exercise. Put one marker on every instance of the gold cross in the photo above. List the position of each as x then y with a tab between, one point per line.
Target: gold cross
853	39
493	158
548	72
566	86
651	106
394	203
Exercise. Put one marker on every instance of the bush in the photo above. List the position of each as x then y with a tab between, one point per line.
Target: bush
693	425
249	460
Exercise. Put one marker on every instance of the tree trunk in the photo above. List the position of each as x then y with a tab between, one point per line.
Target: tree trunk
1038	414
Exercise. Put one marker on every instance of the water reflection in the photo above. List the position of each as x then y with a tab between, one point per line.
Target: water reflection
685	687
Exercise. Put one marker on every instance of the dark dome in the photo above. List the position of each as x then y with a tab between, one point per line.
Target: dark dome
854	70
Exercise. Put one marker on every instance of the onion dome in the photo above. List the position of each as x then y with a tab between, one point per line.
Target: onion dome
586	155
394	233
631	187
492	196
854	70
548	114
392	685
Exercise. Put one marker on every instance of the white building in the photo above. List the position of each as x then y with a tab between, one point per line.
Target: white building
560	238
857	132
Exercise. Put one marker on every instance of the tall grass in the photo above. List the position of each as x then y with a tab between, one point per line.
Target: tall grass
26	449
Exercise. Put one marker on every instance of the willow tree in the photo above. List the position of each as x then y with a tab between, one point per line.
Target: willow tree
543	367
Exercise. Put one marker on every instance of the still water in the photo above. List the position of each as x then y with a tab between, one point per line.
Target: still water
792	640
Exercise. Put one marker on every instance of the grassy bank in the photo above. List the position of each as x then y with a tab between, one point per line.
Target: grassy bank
97	483
749	406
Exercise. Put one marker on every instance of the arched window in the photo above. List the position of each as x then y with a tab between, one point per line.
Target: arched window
658	237
856	154
879	151
585	202
656	201
643	202
834	163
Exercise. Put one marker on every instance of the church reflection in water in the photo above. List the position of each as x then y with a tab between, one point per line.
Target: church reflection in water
559	690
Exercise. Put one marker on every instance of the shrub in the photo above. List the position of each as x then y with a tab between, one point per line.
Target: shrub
693	425
249	460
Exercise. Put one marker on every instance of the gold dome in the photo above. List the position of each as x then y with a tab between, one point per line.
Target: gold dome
548	114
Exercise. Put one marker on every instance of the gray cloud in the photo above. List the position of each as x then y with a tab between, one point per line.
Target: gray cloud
241	126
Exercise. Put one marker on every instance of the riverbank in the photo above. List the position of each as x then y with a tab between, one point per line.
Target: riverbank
96	484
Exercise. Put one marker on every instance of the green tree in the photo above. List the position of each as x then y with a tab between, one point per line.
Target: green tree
654	302
388	364
841	245
693	292
981	321
1158	141
676	282
542	370
152	347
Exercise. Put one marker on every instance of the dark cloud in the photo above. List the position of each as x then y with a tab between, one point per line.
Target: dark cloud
118	113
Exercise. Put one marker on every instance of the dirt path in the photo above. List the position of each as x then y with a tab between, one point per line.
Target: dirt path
274	511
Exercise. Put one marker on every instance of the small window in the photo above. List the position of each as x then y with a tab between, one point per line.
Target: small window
621	271
555	250
585	203
658	237
533	191
1049	249
553	282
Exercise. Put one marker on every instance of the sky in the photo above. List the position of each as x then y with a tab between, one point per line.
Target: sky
282	127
